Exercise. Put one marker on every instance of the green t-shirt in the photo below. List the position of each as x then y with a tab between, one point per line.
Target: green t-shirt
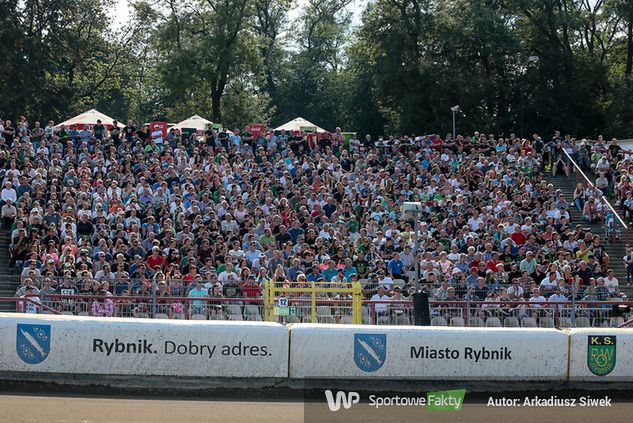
353	226
267	240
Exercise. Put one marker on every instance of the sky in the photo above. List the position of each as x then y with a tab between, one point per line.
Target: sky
122	11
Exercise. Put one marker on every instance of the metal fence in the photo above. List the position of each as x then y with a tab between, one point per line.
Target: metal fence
332	310
140	306
11	283
314	302
504	313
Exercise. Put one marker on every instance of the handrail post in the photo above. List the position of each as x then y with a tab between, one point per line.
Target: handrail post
312	288
573	303
266	299
356	303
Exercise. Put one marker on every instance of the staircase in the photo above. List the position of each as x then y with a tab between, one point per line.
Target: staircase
616	250
9	276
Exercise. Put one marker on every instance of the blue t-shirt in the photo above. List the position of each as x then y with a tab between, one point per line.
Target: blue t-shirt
198	293
396	267
328	274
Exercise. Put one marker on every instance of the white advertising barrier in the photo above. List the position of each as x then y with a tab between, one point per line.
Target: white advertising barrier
351	351
67	344
601	354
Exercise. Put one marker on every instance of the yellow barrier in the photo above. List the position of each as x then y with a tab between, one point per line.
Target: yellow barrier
271	294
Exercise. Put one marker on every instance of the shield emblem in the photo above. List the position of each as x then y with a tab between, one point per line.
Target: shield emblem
33	342
370	351
601	354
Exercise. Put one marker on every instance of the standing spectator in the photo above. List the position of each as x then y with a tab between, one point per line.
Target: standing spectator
9	213
611	282
8	193
102	305
396	268
381	298
31	302
198	291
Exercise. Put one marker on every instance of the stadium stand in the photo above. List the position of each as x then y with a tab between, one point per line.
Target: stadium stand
122	222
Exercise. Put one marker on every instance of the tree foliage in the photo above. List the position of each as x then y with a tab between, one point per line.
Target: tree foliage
512	65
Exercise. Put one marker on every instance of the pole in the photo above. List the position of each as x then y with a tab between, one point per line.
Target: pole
573	302
521	106
417	259
153	299
454	131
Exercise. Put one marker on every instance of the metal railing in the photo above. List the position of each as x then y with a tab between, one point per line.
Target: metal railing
14	286
193	308
314	300
502	313
610	219
465	313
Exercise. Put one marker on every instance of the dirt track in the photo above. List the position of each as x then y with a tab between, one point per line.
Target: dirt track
57	409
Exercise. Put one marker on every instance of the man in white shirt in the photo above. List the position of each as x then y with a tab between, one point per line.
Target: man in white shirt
8	192
157	135
536	302
382	308
384	280
550	282
8	212
611	282
474	221
515	291
557	297
49	131
228	273
32	306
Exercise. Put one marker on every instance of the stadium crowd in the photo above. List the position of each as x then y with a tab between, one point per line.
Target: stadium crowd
112	212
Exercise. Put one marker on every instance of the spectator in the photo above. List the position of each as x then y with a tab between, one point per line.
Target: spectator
9	213
198	291
31	302
381	307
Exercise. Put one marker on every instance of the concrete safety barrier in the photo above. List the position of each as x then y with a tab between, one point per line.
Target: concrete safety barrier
601	355
77	345
59	345
431	353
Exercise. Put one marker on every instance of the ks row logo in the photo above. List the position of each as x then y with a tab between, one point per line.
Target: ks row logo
601	354
370	351
33	342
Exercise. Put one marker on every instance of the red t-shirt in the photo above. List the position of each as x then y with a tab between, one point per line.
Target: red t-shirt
519	238
153	262
252	291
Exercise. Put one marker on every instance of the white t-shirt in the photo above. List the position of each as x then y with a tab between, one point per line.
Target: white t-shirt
386	282
381	307
225	276
49	130
32	306
611	284
474	223
157	136
558	298
9	193
536	300
548	283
